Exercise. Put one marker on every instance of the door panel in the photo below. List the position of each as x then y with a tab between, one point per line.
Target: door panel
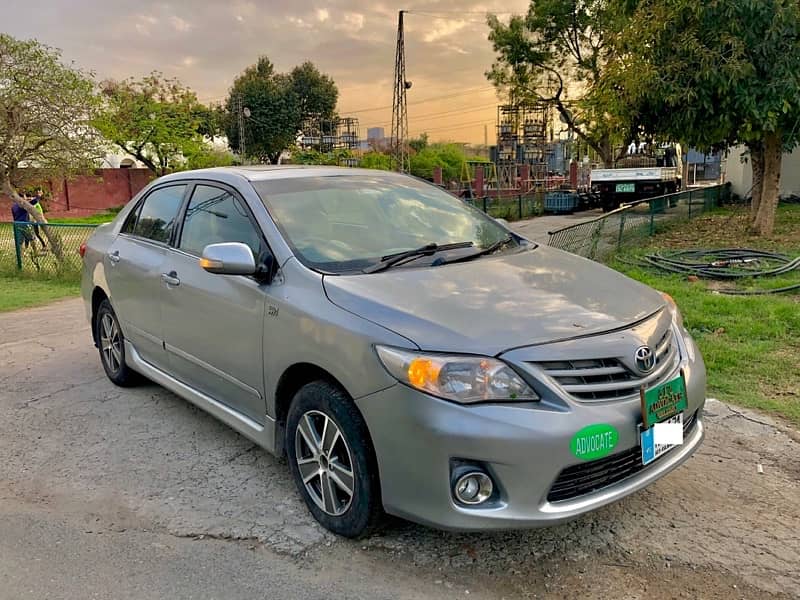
134	264
133	268
214	324
213	328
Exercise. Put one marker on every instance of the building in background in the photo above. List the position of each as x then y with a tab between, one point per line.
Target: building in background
375	133
739	172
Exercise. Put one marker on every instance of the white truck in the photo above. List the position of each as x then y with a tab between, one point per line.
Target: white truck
653	175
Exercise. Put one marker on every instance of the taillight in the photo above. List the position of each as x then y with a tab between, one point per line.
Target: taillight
82	249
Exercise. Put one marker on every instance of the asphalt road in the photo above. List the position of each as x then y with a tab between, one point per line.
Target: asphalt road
539	229
134	493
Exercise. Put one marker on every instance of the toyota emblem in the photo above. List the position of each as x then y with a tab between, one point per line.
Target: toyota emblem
645	359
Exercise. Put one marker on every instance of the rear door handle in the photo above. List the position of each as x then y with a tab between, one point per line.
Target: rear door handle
113	256
170	278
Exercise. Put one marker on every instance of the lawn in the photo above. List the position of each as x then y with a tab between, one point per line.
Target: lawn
751	344
95	219
23	292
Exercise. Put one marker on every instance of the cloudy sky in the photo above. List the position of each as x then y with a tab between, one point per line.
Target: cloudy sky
206	43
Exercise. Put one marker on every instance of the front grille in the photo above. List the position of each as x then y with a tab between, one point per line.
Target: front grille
608	378
595	475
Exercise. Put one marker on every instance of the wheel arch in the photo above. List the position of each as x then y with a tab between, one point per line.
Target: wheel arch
98	295
291	380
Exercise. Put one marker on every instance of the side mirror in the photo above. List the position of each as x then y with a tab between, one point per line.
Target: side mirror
504	223
229	258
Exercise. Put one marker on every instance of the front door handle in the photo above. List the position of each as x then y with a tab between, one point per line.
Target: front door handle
114	257
170	278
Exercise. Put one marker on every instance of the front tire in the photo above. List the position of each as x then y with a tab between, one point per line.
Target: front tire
111	343
332	460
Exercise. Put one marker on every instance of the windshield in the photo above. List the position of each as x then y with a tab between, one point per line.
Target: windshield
345	223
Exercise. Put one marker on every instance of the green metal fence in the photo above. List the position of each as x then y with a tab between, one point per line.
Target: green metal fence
22	251
511	208
599	238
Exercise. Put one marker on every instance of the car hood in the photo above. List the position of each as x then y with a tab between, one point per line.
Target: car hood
492	304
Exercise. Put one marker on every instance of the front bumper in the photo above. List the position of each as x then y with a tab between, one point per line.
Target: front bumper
524	447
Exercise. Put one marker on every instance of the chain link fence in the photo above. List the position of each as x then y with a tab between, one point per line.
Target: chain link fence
599	238
46	251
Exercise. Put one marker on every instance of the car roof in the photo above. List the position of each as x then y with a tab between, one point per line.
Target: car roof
271	172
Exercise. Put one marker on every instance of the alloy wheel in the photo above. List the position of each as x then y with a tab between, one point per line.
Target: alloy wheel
110	343
324	461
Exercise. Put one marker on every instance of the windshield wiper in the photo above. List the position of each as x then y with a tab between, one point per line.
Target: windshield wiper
387	262
488	250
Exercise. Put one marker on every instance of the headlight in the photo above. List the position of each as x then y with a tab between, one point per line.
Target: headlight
464	379
673	308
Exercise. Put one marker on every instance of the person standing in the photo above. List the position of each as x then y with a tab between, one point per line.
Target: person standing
37	205
21	219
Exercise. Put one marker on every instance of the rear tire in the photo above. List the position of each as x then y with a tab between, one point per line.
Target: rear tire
111	344
332	460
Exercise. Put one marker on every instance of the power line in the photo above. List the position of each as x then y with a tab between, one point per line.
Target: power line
423	101
453	112
459	19
456	127
446	113
463	12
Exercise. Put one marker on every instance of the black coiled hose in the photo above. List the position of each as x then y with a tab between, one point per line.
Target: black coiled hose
725	264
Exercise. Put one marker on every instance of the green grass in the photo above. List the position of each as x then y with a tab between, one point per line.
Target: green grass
96	219
23	292
751	344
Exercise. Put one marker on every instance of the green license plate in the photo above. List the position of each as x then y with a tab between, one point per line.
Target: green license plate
663	401
626	187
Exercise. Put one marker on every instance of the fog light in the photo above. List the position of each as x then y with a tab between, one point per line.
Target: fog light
473	488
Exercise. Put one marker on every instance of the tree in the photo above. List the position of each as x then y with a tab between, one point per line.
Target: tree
557	55
376	160
420	143
712	74
277	105
450	157
209	157
156	120
316	93
46	111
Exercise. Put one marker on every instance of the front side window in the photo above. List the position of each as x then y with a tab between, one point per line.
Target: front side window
213	216
345	223
156	217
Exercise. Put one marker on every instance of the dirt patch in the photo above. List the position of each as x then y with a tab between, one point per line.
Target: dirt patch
731	229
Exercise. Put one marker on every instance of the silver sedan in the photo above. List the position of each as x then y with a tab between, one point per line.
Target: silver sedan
406	352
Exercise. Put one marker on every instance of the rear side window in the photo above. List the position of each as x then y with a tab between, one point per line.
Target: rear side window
155	219
130	222
215	215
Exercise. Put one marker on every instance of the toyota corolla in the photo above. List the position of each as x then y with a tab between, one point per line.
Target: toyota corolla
407	353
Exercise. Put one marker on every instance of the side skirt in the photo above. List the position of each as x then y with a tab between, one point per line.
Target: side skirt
263	435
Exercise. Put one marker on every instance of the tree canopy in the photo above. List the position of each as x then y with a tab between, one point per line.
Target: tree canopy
276	106
157	120
712	74
557	54
46	111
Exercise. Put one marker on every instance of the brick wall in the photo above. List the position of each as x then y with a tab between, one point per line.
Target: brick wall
89	194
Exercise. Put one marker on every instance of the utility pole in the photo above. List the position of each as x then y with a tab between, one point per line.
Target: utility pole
486	139
399	135
240	121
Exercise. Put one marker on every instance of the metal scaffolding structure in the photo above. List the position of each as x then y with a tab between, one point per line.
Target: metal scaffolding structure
326	135
523	138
